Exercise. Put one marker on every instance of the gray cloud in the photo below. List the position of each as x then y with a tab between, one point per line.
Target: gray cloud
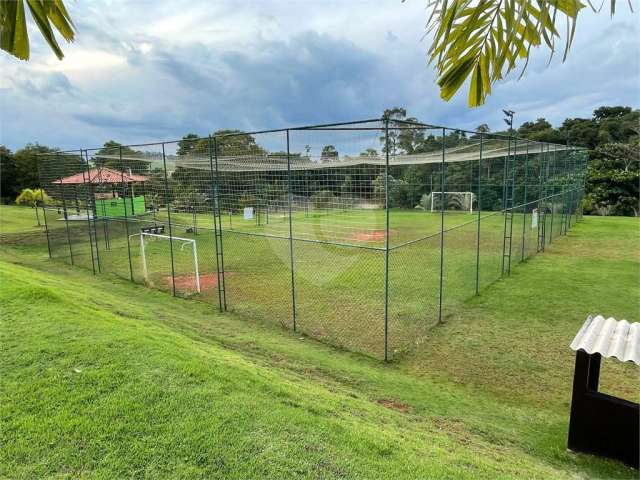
152	70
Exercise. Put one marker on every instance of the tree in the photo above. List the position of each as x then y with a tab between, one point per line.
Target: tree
112	150
403	138
369	152
47	15
26	161
328	154
541	130
232	143
610	112
33	198
187	144
486	39
613	179
483	128
8	171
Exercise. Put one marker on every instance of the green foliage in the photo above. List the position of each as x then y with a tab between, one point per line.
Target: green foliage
47	15
247	199
33	197
487	39
187	144
8	173
613	179
233	142
125	163
612	173
322	199
328	154
26	166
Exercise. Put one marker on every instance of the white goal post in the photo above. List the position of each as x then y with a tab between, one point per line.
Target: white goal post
466	199
185	241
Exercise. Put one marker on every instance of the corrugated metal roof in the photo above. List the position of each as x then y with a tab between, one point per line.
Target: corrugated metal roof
610	338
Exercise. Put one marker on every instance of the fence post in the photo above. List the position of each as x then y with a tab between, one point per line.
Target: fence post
524	201
125	191
542	195
44	211
386	240
87	190
290	201
94	212
66	219
217	224
166	199
442	202
553	194
479	216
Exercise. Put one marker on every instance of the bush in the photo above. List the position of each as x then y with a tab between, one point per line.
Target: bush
322	199
33	197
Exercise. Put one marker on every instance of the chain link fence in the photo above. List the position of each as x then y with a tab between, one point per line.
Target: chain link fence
361	234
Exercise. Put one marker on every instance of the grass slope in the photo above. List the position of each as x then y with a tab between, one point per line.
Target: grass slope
103	379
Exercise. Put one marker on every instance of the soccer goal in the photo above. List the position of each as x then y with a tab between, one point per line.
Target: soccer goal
147	237
462	201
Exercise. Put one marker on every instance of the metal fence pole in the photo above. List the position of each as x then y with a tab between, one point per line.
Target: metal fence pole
511	199
44	210
524	201
66	220
87	190
166	199
92	195
290	201
540	204
386	240
217	225
553	197
125	191
442	202
479	216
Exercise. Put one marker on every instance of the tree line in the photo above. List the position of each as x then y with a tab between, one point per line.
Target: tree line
611	135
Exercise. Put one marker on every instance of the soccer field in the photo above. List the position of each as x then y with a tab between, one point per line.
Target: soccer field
333	268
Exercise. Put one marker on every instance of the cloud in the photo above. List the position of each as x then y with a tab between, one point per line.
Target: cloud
43	85
146	70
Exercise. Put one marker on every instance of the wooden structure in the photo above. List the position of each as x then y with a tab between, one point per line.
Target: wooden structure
602	424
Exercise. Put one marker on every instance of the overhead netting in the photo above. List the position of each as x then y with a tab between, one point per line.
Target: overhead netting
361	234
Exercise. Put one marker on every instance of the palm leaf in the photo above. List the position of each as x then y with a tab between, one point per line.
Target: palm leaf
47	15
487	39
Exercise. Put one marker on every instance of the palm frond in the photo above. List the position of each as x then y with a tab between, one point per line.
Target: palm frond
487	39
47	15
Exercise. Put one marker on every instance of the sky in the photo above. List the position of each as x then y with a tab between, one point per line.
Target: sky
143	71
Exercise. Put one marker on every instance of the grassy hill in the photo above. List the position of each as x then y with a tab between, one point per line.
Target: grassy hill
103	379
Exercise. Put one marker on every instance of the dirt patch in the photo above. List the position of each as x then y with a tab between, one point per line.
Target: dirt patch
188	282
370	235
393	405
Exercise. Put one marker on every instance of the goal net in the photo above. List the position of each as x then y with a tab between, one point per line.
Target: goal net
460	201
185	252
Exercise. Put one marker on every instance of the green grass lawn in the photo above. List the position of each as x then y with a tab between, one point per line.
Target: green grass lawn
14	219
103	379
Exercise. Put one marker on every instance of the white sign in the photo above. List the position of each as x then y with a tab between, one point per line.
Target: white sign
534	218
248	213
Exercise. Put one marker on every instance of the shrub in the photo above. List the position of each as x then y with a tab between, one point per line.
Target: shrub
322	199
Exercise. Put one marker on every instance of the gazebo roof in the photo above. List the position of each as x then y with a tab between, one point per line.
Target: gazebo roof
98	176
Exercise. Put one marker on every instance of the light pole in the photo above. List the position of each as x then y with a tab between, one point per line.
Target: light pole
509	119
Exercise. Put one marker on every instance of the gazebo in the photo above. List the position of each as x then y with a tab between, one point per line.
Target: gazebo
108	204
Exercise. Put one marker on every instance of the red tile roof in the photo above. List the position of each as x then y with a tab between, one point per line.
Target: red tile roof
98	176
